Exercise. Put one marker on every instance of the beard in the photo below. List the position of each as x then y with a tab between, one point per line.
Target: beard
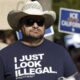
31	38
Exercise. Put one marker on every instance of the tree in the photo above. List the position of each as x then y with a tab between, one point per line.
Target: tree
56	5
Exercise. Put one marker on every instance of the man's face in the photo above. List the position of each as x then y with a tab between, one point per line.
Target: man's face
33	26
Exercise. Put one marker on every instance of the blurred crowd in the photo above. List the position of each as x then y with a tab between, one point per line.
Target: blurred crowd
73	51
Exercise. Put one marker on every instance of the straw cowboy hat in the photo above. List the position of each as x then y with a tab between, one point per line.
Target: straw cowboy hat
31	8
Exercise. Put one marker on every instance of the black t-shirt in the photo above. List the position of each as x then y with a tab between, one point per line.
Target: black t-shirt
47	61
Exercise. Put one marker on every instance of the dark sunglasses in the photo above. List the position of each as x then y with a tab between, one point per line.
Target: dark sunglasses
29	21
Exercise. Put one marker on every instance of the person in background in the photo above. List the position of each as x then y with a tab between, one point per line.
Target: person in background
10	37
33	57
2	40
7	37
76	58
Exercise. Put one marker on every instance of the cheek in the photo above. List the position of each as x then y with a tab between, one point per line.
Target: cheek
25	30
43	29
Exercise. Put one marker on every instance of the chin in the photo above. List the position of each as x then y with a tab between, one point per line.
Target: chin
37	35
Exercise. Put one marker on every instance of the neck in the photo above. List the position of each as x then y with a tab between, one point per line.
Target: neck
33	43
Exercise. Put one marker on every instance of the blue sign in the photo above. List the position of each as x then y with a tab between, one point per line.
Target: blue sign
49	31
69	21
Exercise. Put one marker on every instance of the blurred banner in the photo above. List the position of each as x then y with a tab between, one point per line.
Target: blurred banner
69	21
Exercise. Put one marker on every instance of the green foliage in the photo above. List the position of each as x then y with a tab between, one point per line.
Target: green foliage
73	4
57	4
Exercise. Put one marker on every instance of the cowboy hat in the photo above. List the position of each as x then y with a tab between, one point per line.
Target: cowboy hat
31	8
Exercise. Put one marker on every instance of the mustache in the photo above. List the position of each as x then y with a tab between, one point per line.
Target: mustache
35	29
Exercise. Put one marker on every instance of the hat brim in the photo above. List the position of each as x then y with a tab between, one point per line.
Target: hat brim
15	16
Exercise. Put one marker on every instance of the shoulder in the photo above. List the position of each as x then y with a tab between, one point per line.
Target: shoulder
56	48
53	44
9	48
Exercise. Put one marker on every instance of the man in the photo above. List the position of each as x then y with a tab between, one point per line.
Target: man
33	57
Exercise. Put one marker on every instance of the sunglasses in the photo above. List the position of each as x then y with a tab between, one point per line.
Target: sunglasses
29	21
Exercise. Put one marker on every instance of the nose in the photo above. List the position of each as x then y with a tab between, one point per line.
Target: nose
35	25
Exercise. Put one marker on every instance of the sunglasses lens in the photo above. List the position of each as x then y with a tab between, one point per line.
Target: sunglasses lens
40	21
29	21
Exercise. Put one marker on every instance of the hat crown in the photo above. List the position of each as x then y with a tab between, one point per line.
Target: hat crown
32	5
30	8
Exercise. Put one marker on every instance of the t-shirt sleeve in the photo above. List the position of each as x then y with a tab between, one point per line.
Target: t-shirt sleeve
1	70
69	66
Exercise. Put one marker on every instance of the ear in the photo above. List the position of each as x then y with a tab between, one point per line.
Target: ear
19	30
22	28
